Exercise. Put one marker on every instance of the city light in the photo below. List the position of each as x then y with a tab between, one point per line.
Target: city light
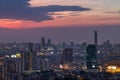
7	56
112	67
61	66
13	56
98	52
93	66
61	60
18	55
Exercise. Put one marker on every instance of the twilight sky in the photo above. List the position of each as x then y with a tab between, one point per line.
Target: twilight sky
50	14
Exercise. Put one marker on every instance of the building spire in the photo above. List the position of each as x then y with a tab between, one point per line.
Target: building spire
95	38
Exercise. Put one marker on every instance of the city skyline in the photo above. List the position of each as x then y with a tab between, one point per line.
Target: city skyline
59	39
61	34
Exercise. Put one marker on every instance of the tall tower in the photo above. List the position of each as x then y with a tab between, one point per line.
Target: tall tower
42	42
49	42
95	38
31	52
72	44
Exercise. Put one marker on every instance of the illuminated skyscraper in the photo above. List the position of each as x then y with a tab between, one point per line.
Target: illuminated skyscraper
29	59
1	67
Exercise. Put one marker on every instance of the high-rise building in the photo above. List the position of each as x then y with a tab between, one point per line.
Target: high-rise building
49	42
29	59
95	38
12	69
42	43
91	58
45	65
72	44
1	67
83	46
67	56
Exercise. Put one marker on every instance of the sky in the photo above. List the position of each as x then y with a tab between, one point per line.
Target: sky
57	15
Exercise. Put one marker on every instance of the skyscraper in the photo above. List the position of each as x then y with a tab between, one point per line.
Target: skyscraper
91	58
42	43
67	56
95	38
11	68
49	42
29	59
72	44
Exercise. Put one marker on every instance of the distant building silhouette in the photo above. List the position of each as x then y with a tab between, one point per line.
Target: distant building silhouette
95	38
49	42
67	56
71	44
42	43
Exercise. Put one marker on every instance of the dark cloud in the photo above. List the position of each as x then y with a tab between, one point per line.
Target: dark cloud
14	3
21	10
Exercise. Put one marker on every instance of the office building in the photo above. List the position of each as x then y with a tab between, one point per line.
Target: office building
49	42
42	43
67	56
12	69
91	59
72	44
28	59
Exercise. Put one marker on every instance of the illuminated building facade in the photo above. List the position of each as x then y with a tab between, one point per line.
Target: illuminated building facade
91	60
1	67
29	59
